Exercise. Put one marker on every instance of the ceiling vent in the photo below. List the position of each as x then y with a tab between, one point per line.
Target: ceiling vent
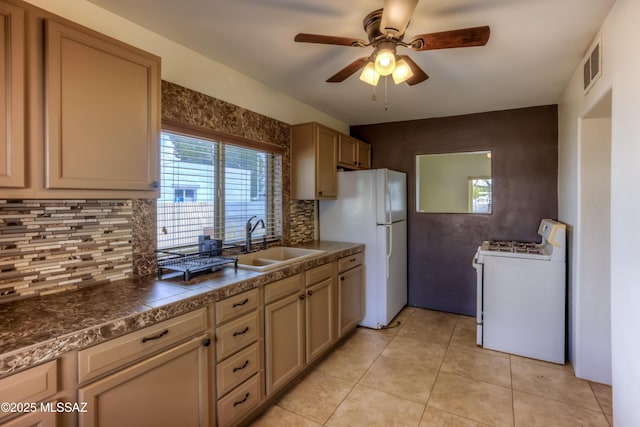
592	65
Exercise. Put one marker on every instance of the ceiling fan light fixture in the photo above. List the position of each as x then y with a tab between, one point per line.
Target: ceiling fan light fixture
385	61
369	74
402	72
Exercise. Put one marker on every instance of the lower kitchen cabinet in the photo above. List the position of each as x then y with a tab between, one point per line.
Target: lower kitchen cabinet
33	419
284	332
320	310
350	294
239	356
33	386
169	389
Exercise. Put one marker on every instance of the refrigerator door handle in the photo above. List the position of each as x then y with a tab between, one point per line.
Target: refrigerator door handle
390	228
390	210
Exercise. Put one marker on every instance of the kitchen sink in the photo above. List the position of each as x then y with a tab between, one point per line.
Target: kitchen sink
275	257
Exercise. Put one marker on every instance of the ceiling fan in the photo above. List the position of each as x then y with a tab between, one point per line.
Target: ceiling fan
385	30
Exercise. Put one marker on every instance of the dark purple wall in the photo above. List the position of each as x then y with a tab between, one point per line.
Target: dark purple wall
525	175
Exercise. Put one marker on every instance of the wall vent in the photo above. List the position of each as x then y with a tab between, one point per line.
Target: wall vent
592	66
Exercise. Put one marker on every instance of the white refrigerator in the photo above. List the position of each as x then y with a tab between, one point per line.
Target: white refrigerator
371	208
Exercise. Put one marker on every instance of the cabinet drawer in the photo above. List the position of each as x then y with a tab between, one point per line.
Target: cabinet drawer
32	385
112	354
236	335
318	274
239	402
350	261
237	368
280	289
236	305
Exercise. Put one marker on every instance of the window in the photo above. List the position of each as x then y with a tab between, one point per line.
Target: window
480	195
213	188
184	195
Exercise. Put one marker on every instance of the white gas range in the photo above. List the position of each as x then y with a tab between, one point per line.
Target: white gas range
521	294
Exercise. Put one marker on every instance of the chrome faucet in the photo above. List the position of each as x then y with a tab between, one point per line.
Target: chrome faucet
249	230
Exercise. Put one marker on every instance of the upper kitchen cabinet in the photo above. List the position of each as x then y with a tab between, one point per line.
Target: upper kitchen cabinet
313	162
12	91
353	154
93	113
102	111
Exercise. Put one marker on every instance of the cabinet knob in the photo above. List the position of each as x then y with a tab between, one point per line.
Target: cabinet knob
302	296
206	342
319	193
155	184
309	292
342	278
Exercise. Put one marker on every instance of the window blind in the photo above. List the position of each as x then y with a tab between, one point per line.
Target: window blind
213	188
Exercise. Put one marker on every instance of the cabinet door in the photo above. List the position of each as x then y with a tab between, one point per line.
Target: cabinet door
170	389
364	155
350	301
319	316
326	175
12	92
284	340
347	151
34	419
102	112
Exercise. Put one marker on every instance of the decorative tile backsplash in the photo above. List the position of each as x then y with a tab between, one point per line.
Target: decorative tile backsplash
302	217
50	246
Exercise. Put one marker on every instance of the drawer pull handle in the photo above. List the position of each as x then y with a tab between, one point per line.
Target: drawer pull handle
240	402
246	363
342	278
352	260
244	331
155	337
238	304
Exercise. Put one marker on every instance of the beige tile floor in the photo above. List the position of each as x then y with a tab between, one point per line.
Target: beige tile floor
428	372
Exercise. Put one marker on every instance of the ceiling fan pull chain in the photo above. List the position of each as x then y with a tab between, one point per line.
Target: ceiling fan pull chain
386	105
374	97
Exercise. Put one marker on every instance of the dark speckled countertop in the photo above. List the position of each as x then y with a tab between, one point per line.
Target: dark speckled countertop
35	330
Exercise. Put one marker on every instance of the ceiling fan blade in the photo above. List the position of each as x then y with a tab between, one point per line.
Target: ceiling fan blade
318	38
348	70
466	37
396	15
418	75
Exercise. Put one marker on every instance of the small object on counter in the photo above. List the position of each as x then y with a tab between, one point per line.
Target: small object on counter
208	257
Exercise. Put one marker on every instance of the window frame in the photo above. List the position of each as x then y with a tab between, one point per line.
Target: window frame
225	139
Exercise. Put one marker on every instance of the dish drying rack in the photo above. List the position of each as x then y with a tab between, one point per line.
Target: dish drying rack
191	263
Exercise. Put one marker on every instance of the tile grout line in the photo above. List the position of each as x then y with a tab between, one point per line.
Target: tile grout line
357	382
426	405
597	400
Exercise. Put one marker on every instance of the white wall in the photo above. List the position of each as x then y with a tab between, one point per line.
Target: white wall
188	68
593	295
621	71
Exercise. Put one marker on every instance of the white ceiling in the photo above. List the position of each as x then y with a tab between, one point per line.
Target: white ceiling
535	46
